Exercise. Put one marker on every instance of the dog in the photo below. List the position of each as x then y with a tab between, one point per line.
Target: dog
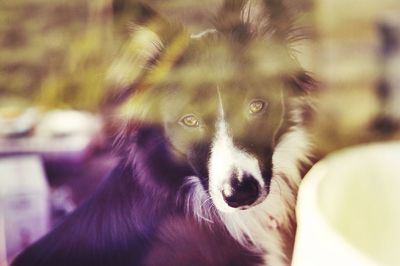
211	140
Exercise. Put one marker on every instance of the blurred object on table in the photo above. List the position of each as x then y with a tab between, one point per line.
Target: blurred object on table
61	123
16	118
3	252
56	135
62	203
24	202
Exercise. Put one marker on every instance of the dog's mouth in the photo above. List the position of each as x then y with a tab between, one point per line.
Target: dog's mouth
259	200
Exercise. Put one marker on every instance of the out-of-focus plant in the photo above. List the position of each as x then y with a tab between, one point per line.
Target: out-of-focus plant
79	83
54	53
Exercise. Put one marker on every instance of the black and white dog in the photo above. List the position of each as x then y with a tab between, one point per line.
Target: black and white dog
211	147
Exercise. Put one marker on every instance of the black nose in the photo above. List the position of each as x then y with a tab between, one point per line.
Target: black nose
242	193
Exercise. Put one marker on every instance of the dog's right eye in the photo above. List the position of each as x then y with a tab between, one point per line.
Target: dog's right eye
256	107
189	121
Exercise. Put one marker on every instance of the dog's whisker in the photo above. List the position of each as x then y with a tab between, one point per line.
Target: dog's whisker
278	185
206	201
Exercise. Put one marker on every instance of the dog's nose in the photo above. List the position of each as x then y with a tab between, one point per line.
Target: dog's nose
241	192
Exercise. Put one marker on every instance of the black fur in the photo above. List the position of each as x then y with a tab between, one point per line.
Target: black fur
136	221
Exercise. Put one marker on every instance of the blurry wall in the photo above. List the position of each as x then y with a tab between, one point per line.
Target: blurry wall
56	54
349	62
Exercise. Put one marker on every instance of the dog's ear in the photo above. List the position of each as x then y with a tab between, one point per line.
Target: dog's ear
131	64
155	43
282	17
229	20
302	83
276	19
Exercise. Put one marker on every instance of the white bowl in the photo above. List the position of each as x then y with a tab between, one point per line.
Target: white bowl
348	209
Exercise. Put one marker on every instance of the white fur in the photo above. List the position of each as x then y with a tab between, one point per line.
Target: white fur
203	33
197	202
263	223
225	157
260	227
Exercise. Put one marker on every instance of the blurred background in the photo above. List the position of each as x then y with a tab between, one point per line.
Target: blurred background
54	57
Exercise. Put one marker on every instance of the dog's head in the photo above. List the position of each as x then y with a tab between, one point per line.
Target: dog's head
222	100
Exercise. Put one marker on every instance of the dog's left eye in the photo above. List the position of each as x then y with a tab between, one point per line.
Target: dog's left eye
190	121
256	106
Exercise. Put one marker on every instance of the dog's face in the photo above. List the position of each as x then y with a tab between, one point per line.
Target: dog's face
223	103
226	128
227	136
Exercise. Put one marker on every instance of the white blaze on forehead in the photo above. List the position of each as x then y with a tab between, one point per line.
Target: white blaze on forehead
225	159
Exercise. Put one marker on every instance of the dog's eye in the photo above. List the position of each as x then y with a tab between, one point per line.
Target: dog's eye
256	106
189	121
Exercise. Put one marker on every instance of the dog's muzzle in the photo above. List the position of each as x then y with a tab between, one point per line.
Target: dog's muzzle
241	192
